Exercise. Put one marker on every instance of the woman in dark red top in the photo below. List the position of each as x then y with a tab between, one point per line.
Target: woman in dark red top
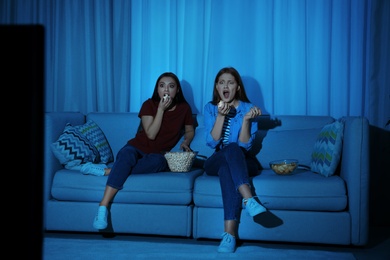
164	116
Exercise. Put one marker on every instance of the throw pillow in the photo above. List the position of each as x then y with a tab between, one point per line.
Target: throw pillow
94	134
72	148
327	149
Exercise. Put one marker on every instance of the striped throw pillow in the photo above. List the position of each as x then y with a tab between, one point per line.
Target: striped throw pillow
72	148
96	136
327	149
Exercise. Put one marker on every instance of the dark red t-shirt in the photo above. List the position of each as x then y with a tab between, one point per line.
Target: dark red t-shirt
172	124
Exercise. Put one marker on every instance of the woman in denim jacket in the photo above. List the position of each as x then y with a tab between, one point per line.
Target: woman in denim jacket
230	130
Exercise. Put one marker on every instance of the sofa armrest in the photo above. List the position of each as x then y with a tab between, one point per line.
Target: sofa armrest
54	124
355	171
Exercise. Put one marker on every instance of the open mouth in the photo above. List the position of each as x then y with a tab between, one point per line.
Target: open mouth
226	94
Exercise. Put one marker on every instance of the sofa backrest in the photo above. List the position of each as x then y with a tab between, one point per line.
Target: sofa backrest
118	127
198	143
279	137
287	137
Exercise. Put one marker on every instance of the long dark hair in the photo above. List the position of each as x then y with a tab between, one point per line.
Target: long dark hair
179	98
240	94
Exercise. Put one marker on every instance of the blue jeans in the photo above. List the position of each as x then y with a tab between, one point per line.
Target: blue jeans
130	160
234	169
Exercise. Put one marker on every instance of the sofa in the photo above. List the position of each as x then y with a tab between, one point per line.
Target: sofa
303	207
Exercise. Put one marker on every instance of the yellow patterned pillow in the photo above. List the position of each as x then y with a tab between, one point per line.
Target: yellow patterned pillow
327	149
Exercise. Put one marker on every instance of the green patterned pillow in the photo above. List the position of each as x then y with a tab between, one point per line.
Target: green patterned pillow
327	149
72	148
94	134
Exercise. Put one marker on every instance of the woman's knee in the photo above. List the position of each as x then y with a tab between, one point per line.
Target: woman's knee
233	150
126	153
158	159
233	147
127	149
155	157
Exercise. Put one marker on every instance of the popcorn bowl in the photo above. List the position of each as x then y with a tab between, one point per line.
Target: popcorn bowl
180	161
284	166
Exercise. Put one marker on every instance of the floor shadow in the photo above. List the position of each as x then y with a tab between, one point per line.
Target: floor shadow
268	220
378	235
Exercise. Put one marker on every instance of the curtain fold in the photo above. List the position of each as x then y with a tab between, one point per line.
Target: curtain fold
301	57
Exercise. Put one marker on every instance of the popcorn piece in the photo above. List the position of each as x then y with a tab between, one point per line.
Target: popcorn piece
165	97
220	104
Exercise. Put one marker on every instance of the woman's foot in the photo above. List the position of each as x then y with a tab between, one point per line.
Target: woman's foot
253	207
100	221
228	243
97	169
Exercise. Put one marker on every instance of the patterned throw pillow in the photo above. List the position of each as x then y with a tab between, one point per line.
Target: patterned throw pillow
72	148
327	149
94	134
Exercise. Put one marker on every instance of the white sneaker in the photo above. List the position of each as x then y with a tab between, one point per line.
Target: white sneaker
100	220
93	168
253	207
228	243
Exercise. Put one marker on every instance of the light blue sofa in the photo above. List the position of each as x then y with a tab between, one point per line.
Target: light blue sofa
158	203
303	207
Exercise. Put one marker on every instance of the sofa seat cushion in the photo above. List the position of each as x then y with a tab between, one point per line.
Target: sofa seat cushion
303	190
152	188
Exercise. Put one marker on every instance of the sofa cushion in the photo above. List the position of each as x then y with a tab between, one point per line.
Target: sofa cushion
303	190
327	149
152	188
72	148
96	136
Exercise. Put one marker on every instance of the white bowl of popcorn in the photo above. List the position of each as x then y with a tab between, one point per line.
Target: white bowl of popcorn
284	166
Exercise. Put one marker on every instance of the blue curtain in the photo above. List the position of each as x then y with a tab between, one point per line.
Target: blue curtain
297	57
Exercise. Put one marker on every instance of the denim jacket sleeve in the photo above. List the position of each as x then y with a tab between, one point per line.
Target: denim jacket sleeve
210	114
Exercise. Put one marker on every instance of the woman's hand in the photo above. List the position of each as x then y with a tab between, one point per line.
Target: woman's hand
165	103
184	147
252	113
223	108
189	133
246	124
